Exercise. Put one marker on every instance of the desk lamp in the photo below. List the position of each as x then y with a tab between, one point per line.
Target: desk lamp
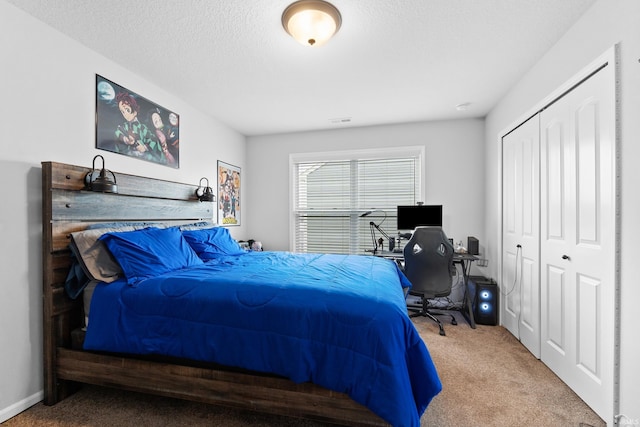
373	227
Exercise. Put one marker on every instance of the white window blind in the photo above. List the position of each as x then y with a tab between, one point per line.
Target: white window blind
330	197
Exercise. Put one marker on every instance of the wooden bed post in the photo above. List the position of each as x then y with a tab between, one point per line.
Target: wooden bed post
60	313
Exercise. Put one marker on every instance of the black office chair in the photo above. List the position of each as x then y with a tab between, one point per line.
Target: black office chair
428	264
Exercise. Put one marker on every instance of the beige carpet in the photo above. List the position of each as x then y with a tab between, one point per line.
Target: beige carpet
489	379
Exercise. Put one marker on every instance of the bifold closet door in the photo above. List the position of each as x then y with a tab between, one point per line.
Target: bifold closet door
578	234
520	284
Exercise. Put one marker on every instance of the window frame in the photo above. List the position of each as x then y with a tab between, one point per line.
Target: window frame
349	155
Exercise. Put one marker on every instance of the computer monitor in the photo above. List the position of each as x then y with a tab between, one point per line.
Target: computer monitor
410	217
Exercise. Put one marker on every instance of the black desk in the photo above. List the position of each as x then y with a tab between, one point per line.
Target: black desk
465	261
396	256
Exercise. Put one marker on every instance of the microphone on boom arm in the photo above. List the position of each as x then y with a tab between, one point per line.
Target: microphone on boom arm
373	227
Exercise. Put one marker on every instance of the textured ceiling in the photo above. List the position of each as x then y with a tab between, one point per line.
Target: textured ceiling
392	61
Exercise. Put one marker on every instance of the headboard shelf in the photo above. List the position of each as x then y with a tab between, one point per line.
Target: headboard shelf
90	206
69	177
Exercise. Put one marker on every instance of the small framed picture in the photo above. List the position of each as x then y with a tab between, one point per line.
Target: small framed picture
229	184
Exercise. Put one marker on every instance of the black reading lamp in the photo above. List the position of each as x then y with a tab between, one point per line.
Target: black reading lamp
99	180
205	193
373	227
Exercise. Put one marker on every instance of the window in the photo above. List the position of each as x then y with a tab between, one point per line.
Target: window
331	191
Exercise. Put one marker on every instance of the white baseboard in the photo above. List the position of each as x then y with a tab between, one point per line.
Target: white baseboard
23	405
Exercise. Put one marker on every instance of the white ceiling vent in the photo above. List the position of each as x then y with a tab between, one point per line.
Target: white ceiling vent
340	120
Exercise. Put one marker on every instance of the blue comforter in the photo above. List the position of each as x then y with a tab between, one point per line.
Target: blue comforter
339	321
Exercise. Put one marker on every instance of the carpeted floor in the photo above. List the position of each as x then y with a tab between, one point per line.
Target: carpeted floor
489	379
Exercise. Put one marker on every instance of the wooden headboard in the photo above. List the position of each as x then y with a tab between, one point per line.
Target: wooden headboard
66	208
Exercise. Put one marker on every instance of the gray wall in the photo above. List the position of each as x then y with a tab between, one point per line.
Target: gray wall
454	172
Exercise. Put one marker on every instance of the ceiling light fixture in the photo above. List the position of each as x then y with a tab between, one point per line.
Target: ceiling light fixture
311	22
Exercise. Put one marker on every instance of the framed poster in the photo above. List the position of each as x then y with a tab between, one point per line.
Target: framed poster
128	124
228	194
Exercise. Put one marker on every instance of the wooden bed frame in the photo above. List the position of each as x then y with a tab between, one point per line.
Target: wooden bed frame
66	208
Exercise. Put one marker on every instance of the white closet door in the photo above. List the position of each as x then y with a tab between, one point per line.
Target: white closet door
520	284
578	239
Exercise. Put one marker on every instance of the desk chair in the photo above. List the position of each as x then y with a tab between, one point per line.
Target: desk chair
428	264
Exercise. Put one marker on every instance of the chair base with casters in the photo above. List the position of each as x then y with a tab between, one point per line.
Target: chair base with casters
432	315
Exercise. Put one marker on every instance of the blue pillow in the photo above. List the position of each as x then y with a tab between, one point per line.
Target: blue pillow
150	252
210	243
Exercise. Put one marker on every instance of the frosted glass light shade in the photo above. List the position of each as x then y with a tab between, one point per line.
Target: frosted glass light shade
311	22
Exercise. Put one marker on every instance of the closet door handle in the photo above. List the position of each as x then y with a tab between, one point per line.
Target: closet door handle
566	257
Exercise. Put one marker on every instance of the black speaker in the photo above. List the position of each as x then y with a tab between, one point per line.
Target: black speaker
472	245
485	306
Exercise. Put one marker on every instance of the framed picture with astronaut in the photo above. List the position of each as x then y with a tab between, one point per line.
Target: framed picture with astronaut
228	194
129	124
